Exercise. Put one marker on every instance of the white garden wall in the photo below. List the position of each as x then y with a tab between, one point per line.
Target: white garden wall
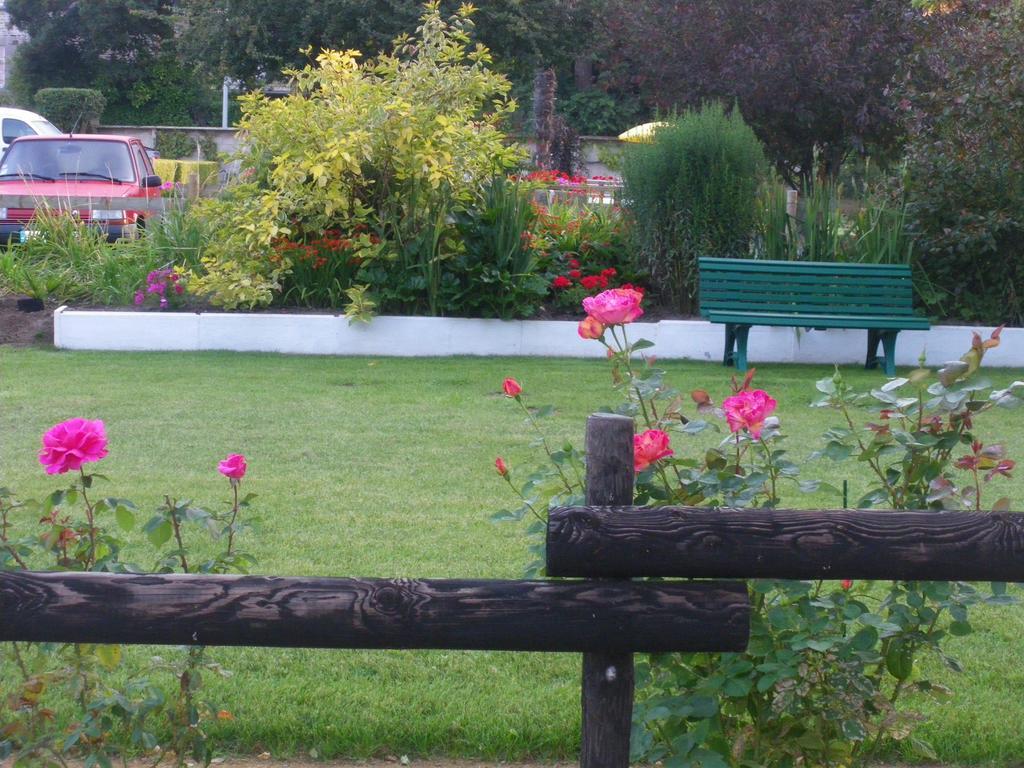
439	337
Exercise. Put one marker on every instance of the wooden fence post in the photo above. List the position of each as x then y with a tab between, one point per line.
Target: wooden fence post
607	694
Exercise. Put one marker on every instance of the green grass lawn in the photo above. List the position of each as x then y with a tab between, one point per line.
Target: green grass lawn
384	467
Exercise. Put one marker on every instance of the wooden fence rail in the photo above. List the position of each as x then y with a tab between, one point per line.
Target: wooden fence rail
180	609
785	544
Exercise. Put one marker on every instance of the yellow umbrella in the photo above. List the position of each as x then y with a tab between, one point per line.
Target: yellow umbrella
641	133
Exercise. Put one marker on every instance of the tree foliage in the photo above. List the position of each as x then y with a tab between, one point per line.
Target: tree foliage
253	39
123	48
813	78
964	109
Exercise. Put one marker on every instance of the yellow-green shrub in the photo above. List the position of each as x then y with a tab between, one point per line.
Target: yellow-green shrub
356	142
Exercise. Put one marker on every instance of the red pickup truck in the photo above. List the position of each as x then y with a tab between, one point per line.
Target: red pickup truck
54	168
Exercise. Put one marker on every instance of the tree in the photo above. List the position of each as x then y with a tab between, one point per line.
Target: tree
964	108
813	78
254	40
124	48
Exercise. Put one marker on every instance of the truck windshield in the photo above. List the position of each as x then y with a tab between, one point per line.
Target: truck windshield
85	159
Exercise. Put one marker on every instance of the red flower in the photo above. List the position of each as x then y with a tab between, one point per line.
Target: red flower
575	274
511	387
233	466
610	272
72	443
590	282
846	584
561	282
574	263
649	447
501	466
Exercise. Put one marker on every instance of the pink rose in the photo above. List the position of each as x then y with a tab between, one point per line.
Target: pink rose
614	307
846	584
501	466
233	466
590	328
648	447
748	410
511	387
71	444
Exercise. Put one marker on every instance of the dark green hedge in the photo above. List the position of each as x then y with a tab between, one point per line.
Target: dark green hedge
71	109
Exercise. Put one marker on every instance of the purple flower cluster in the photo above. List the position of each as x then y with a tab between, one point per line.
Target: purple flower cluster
163	283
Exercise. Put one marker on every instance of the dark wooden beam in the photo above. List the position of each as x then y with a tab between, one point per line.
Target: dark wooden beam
372	613
785	544
607	682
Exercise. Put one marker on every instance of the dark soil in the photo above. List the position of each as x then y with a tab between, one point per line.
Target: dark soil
25	329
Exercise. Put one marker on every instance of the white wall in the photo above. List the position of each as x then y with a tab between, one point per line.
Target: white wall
432	336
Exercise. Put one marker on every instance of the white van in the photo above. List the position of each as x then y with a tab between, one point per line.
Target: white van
20	122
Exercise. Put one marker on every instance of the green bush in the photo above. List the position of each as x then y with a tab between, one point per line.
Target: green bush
692	191
77	109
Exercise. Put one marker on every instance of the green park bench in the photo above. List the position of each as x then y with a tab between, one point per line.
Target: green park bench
741	293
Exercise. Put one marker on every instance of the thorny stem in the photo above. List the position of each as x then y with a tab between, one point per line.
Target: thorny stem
873	463
176	526
524	499
92	524
234	515
771	471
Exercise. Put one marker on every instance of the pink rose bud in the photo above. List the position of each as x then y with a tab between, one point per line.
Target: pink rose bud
846	584
501	466
748	410
649	447
511	387
72	443
590	328
617	306
233	466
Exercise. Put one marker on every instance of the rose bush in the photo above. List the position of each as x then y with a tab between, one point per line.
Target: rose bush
78	702
824	677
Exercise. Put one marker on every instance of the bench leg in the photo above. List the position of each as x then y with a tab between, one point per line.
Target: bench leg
871	361
889	346
607	710
730	343
741	347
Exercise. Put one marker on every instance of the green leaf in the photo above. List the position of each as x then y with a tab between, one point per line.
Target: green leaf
125	518
160	533
960	628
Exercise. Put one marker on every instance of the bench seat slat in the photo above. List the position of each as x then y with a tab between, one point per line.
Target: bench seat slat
810	320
